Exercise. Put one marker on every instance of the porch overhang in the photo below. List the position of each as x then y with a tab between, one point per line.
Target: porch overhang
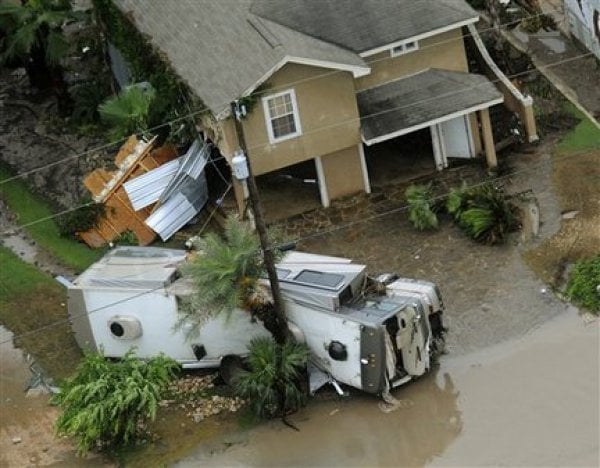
420	101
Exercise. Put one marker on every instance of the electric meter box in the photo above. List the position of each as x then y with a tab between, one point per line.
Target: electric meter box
240	166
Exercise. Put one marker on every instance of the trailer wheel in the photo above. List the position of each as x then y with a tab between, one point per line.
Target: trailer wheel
231	369
438	332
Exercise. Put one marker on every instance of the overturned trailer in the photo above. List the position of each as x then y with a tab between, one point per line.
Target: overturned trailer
370	334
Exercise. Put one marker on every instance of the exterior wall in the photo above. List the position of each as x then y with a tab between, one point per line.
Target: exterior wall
445	51
584	22
328	115
343	172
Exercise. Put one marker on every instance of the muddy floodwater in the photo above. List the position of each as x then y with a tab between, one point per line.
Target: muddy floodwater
533	401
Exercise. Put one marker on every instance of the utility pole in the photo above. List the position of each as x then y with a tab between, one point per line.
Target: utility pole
281	333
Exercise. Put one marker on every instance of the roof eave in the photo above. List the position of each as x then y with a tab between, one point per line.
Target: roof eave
356	70
418	37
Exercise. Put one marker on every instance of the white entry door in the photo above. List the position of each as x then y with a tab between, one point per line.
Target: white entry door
456	138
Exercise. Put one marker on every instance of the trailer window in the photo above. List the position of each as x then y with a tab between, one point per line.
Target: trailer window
319	279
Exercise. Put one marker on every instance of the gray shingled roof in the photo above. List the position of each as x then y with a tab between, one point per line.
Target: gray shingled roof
363	25
220	49
421	98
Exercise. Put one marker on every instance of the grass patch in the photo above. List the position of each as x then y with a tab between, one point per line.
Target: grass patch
19	278
30	300
584	284
28	208
585	136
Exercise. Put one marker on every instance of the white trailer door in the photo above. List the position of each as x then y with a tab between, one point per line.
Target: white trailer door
457	140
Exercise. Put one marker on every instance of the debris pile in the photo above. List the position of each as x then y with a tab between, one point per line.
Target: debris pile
197	396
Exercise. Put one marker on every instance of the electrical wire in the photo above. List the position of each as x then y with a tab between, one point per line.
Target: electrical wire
320	129
321	233
257	93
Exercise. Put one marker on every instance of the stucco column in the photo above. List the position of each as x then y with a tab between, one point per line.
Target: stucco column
488	138
363	166
323	191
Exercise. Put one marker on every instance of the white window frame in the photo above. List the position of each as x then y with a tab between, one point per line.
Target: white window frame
265	101
405	48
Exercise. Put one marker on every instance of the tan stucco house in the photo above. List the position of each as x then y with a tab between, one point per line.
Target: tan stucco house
334	78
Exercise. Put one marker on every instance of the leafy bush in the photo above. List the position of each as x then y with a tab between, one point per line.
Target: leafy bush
482	212
421	207
82	219
128	112
273	383
127	237
87	97
584	284
108	404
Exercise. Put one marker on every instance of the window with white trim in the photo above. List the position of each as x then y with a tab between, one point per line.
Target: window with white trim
405	48
281	115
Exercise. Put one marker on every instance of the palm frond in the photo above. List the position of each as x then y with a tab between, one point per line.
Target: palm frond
21	41
128	112
421	207
274	373
57	47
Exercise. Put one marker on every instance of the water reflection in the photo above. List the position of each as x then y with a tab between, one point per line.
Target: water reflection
354	431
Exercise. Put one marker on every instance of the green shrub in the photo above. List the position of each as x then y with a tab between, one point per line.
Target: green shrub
108	404
483	212
86	99
127	237
583	287
273	383
82	219
421	207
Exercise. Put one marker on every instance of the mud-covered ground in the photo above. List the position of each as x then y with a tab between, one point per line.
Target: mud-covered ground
492	297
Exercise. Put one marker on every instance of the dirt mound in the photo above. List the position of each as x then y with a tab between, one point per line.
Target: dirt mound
32	137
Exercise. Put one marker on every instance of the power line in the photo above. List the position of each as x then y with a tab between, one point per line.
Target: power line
321	233
439	197
432	98
327	127
257	93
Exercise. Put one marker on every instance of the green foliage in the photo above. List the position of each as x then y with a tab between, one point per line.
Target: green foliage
225	273
18	278
147	64
87	97
585	136
127	238
44	228
82	219
421	207
583	287
128	112
457	200
482	212
107	404
37	24
273	383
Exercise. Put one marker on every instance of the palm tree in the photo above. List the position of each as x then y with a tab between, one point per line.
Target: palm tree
227	273
34	35
128	112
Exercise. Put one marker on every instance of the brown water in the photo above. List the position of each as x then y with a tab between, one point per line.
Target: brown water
528	402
